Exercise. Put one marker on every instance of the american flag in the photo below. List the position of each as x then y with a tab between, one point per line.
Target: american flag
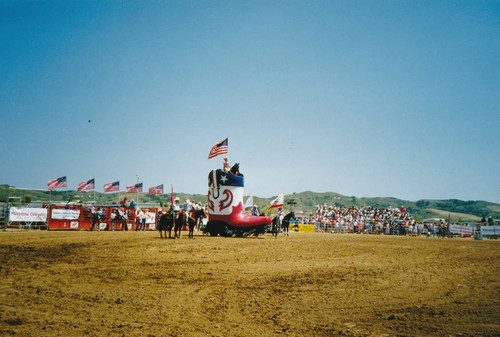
156	190
112	187
134	188
86	185
218	149
56	183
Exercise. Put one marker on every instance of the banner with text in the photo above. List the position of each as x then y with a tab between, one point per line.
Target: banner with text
28	214
65	214
490	230
460	229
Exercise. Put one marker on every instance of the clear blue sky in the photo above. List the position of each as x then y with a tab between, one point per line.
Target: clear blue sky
362	98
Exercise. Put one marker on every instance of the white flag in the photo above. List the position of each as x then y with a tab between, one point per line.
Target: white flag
278	202
249	202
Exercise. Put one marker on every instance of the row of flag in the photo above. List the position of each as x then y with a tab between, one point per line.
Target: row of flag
111	187
216	150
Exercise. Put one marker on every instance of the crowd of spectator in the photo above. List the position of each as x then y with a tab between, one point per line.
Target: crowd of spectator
371	220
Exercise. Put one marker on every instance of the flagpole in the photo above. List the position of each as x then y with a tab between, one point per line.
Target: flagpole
136	192
7	215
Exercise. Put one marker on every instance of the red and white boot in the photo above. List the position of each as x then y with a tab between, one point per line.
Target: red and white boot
227	215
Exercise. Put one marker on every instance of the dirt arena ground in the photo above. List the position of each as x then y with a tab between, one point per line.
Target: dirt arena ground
136	284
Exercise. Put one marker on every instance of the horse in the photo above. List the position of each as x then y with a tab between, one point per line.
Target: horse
275	227
286	223
194	219
180	221
235	169
166	223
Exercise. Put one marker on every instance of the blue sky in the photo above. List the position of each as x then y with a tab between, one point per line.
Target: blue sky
362	98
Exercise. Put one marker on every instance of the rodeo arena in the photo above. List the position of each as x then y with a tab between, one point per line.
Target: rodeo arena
223	214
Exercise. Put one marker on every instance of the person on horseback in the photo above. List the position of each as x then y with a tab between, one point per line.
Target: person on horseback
187	208
175	206
281	213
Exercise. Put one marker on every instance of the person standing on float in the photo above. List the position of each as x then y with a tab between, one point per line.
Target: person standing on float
226	165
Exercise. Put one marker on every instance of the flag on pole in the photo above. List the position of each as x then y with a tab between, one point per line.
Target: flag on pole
156	190
56	183
278	202
87	185
218	149
172	194
137	188
249	202
112	187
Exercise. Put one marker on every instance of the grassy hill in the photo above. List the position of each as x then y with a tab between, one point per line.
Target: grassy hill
455	210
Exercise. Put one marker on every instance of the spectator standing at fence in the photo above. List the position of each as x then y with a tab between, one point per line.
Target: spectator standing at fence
96	217
113	219
132	204
123	217
143	220
139	220
123	203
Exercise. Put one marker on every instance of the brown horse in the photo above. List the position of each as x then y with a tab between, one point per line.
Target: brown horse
194	219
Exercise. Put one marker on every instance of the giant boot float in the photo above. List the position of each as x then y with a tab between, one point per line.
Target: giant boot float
227	215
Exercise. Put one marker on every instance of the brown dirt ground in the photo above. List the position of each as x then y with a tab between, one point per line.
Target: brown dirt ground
136	284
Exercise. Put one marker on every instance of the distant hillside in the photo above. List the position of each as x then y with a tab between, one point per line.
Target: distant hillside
456	210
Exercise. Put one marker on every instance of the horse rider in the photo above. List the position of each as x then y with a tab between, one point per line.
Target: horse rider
187	207
175	207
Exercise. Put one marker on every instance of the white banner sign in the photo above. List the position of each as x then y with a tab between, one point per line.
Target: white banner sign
65	214
28	214
490	230
459	229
